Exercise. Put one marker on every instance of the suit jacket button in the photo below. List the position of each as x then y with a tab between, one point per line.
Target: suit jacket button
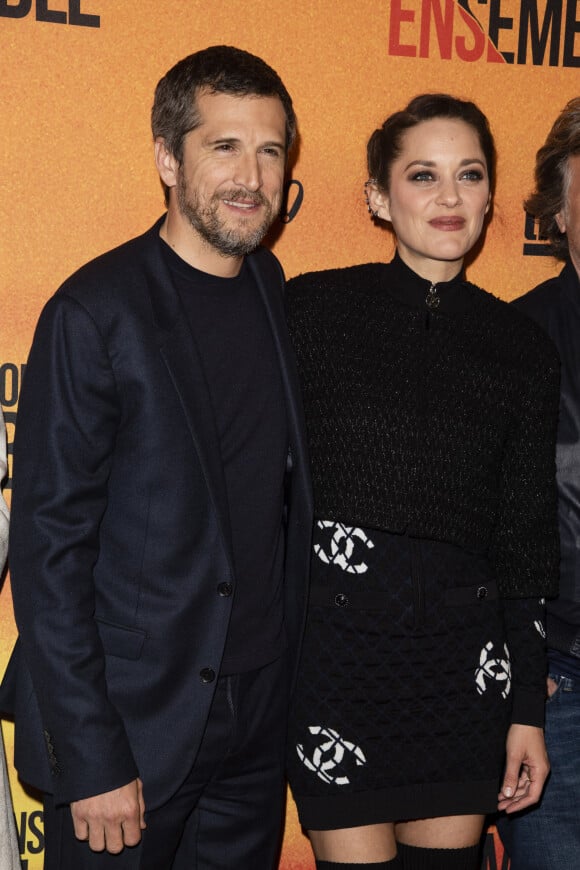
207	675
341	600
225	590
482	592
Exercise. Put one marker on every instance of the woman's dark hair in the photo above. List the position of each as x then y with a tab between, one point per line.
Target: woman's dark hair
386	144
552	175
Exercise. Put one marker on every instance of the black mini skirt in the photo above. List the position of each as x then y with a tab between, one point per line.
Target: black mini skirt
403	698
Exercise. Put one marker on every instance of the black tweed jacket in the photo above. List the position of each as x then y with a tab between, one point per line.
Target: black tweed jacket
431	410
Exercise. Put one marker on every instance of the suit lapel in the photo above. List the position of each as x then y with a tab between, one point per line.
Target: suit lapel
180	355
269	278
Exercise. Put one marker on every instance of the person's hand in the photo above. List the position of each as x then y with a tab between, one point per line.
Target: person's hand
111	820
551	686
526	769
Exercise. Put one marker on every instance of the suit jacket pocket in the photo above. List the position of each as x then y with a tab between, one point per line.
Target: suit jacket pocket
118	640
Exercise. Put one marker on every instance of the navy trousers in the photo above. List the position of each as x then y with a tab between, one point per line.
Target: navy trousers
229	810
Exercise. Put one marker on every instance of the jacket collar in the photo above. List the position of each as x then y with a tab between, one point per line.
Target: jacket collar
408	288
571	283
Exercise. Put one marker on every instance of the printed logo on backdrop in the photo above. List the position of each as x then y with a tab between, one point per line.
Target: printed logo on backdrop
30	834
11	375
52	11
524	32
535	245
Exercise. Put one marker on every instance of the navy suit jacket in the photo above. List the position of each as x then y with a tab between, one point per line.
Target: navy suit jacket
120	543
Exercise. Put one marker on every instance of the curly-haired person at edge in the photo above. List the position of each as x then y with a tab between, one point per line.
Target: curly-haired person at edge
547	836
431	411
161	510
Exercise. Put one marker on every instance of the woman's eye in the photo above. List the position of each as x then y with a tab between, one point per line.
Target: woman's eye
473	175
422	176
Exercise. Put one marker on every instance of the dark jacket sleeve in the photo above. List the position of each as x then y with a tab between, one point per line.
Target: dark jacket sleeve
525	547
67	421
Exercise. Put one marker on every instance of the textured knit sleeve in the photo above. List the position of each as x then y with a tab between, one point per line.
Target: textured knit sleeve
299	300
526	639
525	544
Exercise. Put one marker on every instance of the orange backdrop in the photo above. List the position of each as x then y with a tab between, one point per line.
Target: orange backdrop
77	178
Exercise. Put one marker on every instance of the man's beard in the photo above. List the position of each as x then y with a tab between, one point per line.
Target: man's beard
229	242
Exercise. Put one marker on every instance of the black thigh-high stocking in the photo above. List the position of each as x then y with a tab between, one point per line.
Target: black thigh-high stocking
417	858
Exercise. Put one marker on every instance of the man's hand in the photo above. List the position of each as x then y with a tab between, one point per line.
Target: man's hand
526	769
111	820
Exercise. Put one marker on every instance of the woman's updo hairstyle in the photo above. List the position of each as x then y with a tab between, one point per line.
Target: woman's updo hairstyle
385	144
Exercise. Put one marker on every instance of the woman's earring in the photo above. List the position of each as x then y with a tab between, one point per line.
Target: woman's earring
374	214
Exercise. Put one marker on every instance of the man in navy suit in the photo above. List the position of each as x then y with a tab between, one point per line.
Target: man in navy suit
162	511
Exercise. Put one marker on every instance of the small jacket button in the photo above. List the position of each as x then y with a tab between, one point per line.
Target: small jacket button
225	590
482	592
207	675
341	600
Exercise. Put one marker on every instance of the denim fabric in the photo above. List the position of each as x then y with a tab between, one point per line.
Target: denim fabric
547	837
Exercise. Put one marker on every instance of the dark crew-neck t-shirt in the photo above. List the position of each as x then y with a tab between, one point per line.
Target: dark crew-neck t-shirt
231	332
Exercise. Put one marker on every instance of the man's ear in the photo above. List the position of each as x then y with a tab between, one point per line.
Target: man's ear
560	219
167	165
378	201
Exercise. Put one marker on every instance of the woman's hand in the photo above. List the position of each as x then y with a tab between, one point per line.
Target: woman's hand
526	768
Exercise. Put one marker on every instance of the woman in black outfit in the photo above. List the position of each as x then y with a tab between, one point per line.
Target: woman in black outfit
431	409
